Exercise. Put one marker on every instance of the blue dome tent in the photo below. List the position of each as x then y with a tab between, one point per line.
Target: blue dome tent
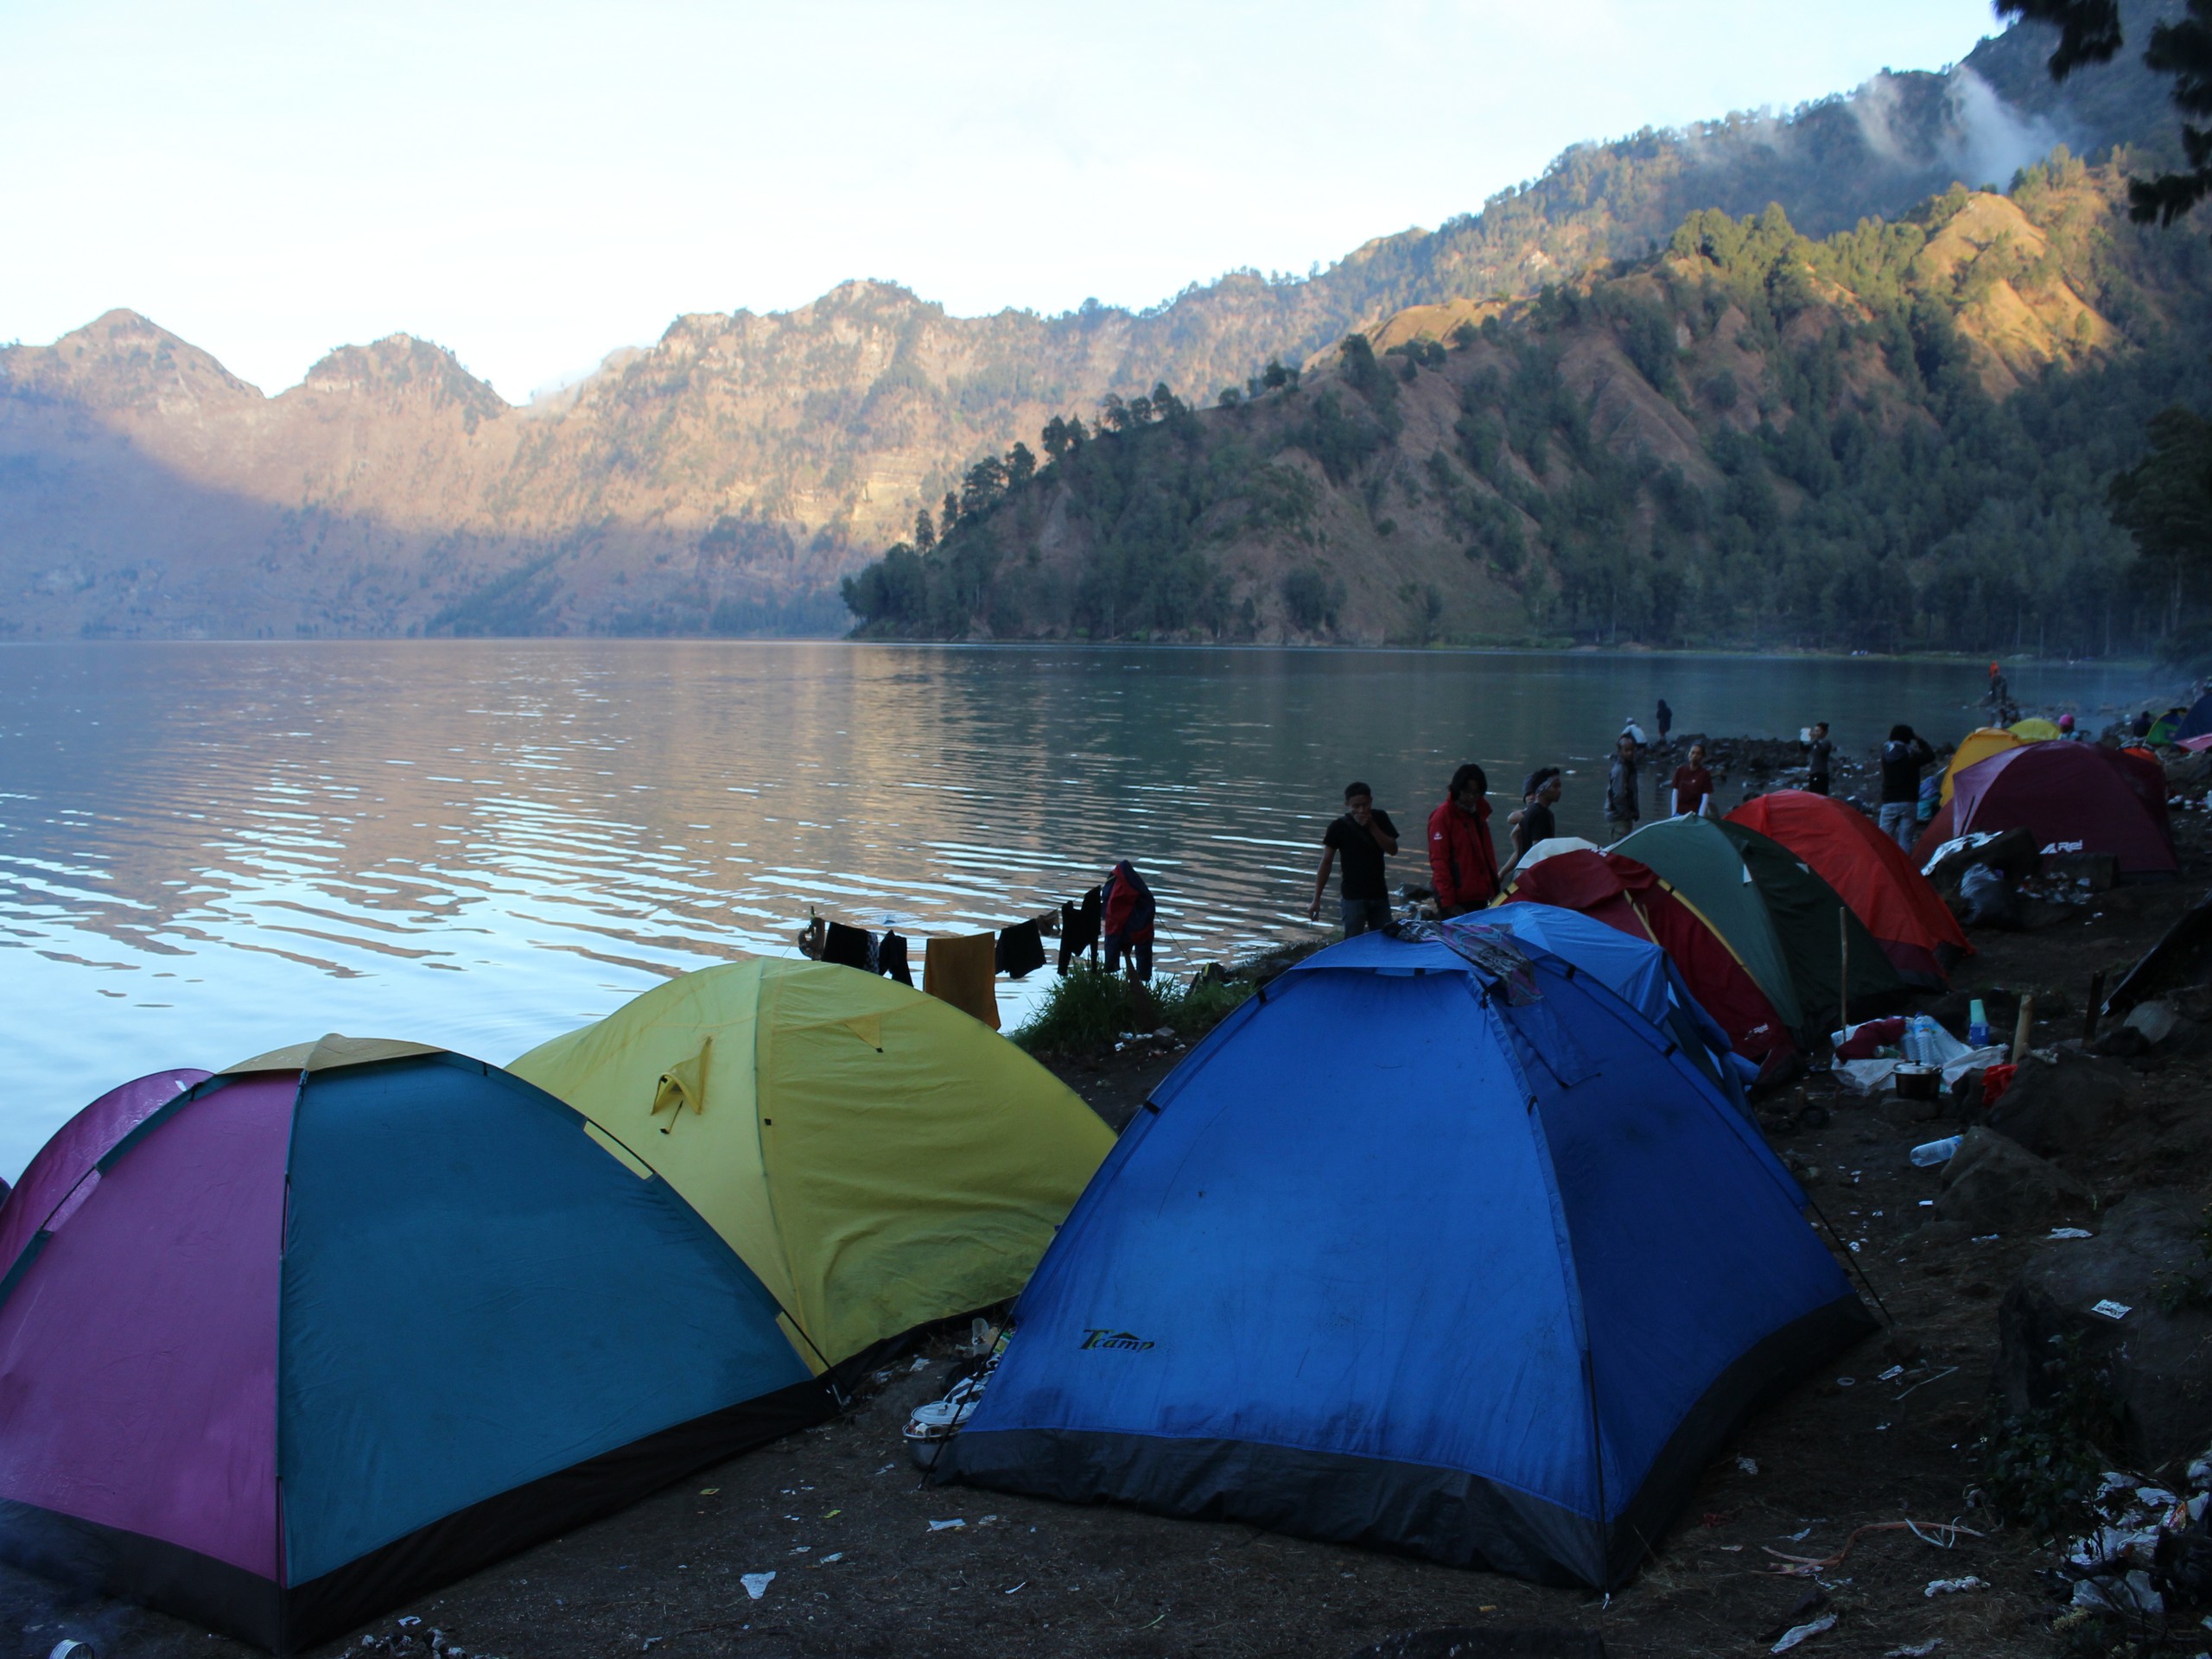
1635	970
1437	1246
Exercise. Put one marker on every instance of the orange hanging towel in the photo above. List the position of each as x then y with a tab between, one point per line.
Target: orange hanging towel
960	971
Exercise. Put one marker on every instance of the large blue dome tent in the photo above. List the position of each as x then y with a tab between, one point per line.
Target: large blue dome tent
1437	1246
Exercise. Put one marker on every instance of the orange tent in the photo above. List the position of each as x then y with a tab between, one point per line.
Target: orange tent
1871	876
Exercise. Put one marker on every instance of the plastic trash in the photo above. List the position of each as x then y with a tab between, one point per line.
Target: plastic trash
1954	1586
1931	1153
1977	1025
1914	1649
1798	1633
756	1584
952	1525
70	1648
2111	1309
2071	1232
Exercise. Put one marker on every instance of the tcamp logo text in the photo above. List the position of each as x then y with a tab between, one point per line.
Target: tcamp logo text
1128	1341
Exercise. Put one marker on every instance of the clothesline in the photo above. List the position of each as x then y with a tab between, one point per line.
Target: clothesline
961	969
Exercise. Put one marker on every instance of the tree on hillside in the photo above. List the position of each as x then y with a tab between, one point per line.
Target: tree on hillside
2166	502
950	516
2090	31
1020	466
925	532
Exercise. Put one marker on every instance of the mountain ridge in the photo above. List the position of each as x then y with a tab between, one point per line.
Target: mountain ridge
724	478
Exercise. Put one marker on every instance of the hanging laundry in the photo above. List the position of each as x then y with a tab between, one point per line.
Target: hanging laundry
959	971
1079	930
1020	951
891	958
846	946
1127	911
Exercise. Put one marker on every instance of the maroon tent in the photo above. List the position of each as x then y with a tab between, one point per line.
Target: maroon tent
2072	798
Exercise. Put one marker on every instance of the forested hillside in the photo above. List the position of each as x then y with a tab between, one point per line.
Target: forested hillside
1899	435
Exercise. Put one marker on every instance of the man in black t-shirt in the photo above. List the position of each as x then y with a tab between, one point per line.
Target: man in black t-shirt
1365	837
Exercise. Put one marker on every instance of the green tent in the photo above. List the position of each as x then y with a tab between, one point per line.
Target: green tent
1786	923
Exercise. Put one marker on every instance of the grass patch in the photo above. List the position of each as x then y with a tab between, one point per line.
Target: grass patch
1087	1011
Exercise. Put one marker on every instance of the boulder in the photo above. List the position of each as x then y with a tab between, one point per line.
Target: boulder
1994	1185
2156	1365
2052	1109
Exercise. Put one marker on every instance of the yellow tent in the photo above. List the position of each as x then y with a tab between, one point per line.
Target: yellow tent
1979	745
877	1158
2036	731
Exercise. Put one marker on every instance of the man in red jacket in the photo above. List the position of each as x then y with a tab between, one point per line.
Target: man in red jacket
1463	864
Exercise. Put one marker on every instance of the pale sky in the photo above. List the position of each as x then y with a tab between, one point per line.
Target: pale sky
536	185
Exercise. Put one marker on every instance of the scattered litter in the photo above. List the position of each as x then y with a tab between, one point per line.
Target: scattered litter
1892	1374
409	1622
831	1515
1748	1465
2132	1594
2111	1309
708	1492
835	1555
1799	1536
756	1584
1954	1586
802	1549
1927	1204
1986	1238
921	1362
69	1648
1732	1549
948	1526
2071	1232
1943	1535
1845	1382
1798	1633
1915	1649
1022	1586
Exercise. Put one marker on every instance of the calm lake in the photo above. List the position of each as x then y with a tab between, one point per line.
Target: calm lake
209	850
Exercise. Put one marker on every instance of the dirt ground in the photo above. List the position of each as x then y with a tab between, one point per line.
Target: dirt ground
862	1567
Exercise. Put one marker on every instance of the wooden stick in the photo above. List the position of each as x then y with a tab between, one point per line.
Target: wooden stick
2024	1028
1843	986
2096	1007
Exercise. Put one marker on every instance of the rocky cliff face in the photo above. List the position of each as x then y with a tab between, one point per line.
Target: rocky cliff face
724	478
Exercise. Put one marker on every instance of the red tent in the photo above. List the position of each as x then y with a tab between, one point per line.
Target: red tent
2072	798
1626	895
1871	876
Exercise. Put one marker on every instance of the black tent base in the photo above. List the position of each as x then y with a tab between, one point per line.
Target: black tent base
218	1596
1444	1514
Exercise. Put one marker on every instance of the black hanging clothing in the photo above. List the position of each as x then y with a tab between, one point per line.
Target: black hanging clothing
891	958
1079	929
846	946
1021	950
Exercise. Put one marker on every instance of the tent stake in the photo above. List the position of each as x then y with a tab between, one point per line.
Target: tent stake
2024	1030
2096	1007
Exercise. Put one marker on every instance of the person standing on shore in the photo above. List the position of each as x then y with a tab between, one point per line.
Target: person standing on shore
1366	835
1665	722
1902	757
1622	809
1693	784
1462	862
1534	822
1820	755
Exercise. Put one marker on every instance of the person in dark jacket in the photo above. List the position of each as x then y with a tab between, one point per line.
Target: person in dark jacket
1665	722
1366	835
1462	862
1622	809
1820	755
1902	757
1534	821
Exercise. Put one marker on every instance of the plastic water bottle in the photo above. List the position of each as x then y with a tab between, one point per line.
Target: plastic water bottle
1935	1151
1977	1025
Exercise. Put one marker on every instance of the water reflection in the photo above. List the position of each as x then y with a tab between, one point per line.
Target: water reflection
209	850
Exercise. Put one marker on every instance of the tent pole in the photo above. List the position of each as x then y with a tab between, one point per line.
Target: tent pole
1843	985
